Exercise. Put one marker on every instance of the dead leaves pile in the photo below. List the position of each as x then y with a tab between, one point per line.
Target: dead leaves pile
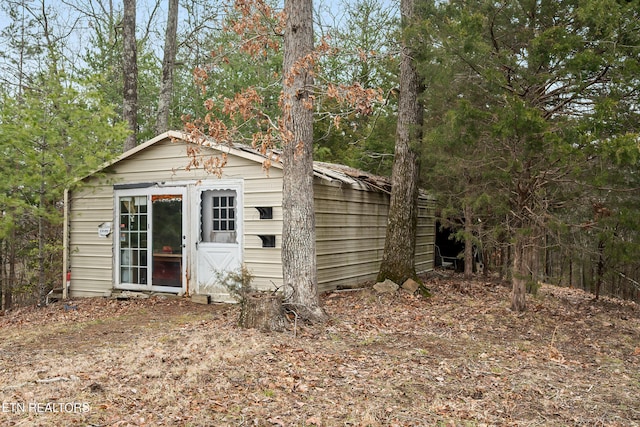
459	358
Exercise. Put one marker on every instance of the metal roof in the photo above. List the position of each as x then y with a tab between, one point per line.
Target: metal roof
327	171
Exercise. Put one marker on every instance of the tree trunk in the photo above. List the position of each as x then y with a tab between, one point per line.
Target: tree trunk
599	267
3	273
168	67
299	268
130	72
534	258
11	278
263	311
42	284
518	281
571	271
398	261
468	242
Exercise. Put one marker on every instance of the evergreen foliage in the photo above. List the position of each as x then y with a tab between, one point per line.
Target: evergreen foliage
48	137
532	124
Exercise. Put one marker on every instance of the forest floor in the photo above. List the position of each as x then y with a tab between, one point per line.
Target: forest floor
460	358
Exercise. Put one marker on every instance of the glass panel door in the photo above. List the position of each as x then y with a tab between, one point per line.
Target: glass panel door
167	239
134	240
151	239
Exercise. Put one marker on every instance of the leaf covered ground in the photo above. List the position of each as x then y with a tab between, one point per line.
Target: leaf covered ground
460	358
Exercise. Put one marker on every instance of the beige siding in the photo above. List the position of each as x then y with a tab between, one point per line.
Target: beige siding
263	263
351	223
350	232
91	257
351	226
426	235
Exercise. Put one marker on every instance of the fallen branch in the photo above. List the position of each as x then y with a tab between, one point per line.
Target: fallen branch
52	380
13	387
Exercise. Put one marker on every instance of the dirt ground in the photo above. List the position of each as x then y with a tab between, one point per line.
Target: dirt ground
460	358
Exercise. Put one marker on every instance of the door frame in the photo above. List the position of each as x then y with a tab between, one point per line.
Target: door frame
148	192
195	207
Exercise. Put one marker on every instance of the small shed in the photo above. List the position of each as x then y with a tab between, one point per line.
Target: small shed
143	222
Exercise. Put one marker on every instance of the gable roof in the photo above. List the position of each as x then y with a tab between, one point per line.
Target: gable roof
253	155
327	171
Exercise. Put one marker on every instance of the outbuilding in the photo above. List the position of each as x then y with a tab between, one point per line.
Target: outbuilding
143	222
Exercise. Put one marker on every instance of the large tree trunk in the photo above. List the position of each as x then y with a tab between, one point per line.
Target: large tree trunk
168	67
518	278
130	72
398	263
298	233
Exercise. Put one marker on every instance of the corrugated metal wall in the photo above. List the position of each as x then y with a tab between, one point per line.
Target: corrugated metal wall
426	235
350	233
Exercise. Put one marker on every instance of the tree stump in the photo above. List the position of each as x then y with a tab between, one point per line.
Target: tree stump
263	311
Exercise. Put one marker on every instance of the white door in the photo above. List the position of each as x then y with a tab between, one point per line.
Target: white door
218	238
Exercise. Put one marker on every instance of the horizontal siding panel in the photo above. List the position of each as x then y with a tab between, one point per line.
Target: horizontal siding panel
425	267
351	196
92	273
90	280
85	202
344	233
331	275
266	199
328	274
350	280
89	223
91	203
265	271
425	236
331	246
263	256
76	291
263	184
334	190
350	220
347	282
91	212
252	241
425	240
90	243
334	207
88	230
93	259
252	214
263	226
347	259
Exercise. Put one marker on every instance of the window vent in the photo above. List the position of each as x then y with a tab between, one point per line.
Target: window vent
265	212
268	241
